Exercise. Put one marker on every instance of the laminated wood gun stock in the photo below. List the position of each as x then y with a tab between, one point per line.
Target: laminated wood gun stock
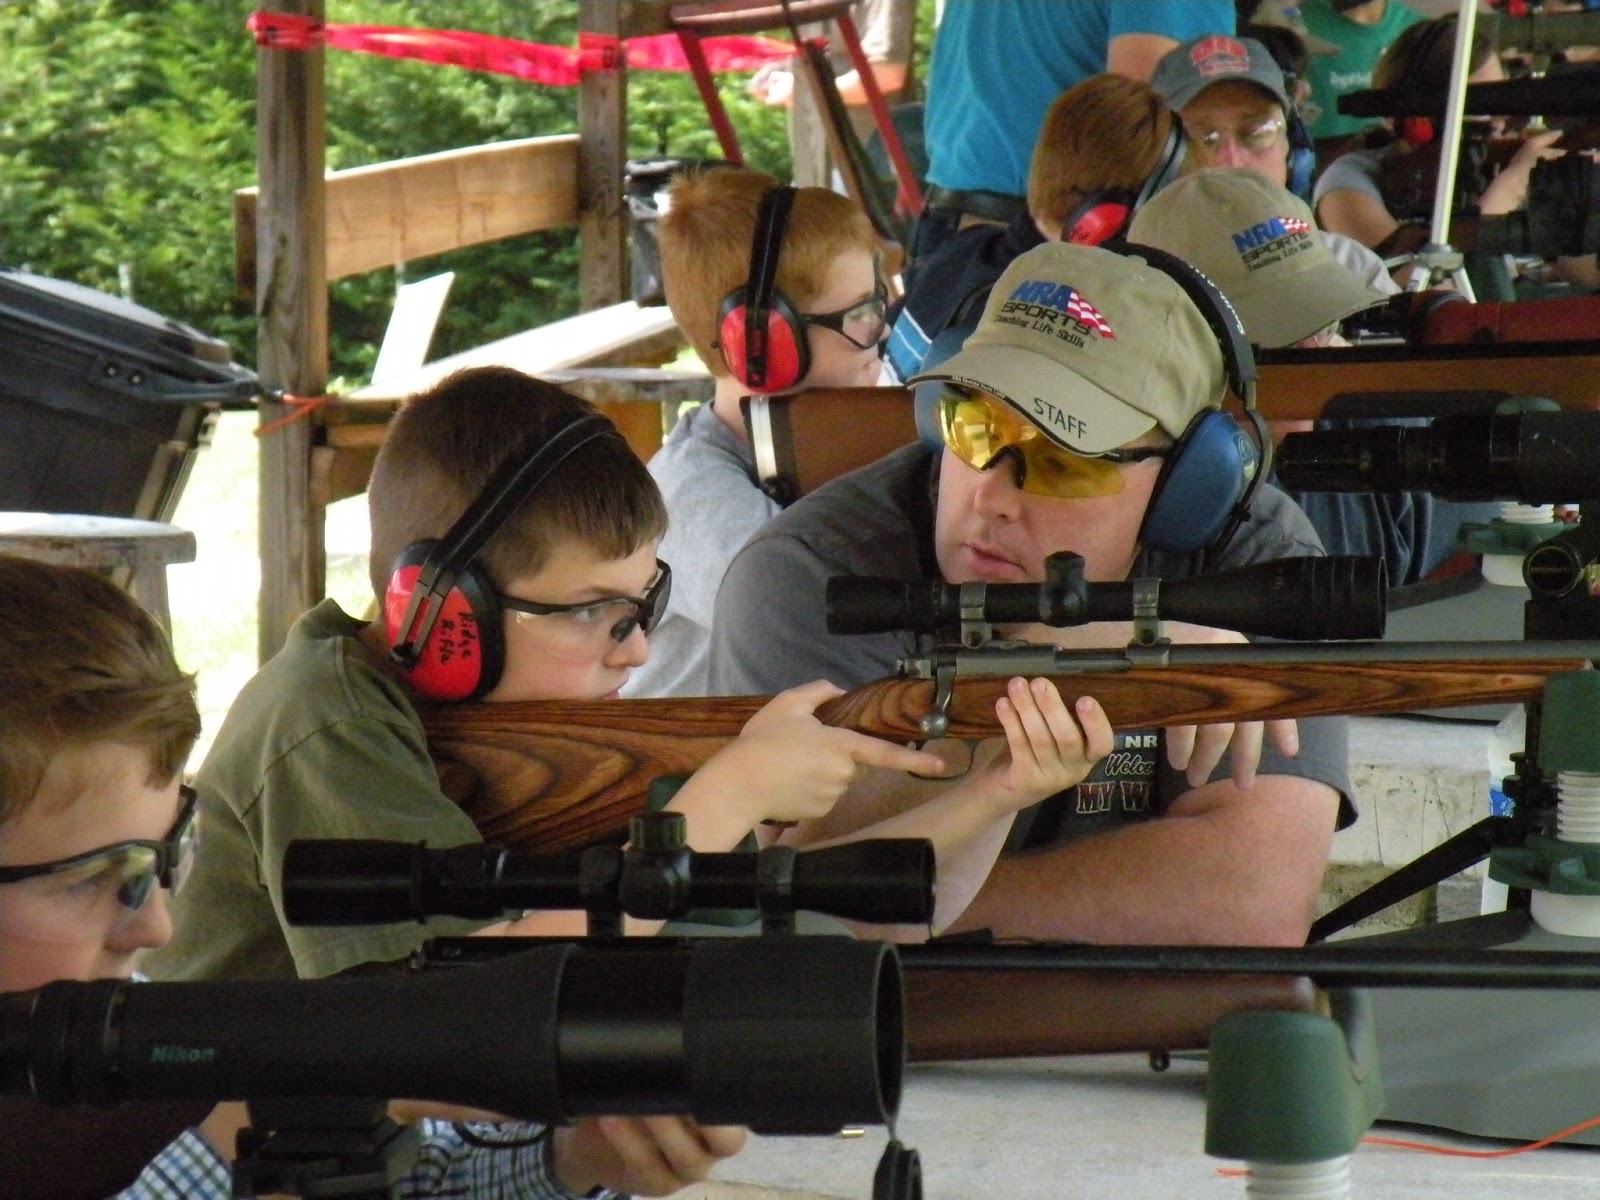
547	776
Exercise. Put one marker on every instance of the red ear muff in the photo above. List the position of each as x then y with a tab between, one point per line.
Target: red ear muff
464	653
761	336
1100	216
782	358
1099	224
1416	131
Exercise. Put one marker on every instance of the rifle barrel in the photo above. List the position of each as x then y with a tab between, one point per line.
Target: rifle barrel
1330	966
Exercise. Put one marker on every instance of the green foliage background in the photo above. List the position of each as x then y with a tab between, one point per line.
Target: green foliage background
126	125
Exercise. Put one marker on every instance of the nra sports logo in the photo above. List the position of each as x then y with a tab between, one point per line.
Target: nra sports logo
1220	55
1272	240
1052	301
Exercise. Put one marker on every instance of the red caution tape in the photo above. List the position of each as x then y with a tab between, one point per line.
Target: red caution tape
555	66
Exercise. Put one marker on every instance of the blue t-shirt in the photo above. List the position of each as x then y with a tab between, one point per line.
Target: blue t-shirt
998	64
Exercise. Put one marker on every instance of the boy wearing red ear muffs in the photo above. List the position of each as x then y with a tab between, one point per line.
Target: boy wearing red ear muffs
777	289
564	582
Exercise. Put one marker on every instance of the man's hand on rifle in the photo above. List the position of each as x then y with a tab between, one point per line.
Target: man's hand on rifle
1049	747
1193	749
1197	749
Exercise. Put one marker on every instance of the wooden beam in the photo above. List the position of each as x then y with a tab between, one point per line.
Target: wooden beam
602	155
394	212
292	316
621	335
722	18
1299	384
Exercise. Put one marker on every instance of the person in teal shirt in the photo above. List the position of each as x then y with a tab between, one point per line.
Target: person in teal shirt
1362	29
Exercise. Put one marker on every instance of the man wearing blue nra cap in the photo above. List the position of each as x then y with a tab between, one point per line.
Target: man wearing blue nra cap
1063	419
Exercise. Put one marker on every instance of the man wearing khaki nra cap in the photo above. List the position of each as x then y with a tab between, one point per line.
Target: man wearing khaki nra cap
1065	416
1259	244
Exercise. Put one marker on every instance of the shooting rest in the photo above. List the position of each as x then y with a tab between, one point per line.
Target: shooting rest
804	439
956	1016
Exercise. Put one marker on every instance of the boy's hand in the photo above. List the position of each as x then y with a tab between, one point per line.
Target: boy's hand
649	1156
794	767
773	83
1049	747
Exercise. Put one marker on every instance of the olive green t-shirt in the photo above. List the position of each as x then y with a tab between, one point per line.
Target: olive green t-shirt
321	743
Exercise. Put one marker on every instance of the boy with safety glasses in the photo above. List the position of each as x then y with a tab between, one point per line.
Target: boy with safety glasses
827	310
97	835
1061	413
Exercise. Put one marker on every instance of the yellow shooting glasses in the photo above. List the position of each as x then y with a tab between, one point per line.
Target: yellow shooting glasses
980	428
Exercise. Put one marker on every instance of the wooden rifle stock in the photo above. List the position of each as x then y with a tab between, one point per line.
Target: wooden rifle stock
545	776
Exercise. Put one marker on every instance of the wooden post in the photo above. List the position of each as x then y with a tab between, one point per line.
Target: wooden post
292	316
602	154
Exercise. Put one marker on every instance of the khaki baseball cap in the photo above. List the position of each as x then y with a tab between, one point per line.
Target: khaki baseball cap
1095	348
1287	14
1186	70
1259	244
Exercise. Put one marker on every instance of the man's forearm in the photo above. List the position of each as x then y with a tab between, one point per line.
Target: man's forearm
1222	867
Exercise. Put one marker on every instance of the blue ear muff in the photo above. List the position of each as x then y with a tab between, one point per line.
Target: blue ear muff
1200	486
1302	166
1302	158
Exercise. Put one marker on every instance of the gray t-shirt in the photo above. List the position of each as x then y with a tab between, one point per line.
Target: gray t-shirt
708	478
1360	170
770	630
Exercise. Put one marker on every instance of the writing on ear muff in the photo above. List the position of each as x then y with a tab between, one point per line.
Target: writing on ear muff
759	332
442	613
1104	213
1212	473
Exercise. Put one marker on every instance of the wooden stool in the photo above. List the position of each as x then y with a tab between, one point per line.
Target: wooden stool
134	553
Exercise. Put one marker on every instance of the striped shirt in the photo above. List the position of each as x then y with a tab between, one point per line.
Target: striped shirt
477	1160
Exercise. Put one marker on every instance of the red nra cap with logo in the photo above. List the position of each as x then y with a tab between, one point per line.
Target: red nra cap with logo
1187	70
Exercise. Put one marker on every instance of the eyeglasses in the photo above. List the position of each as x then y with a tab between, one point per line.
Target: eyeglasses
980	429
861	324
1255	138
91	895
617	616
